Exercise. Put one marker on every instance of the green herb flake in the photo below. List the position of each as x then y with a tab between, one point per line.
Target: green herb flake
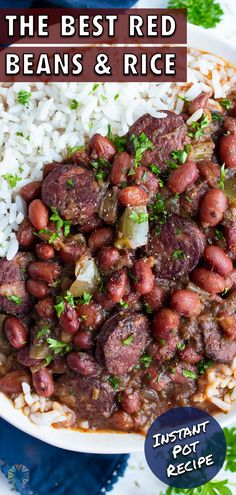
205	13
154	169
117	96
23	97
196	129
20	134
162	342
226	103
114	382
70	183
213	487
11	180
74	104
48	359
178	254
69	298
128	340
59	306
43	332
145	360
219	234
58	347
216	117
94	88
203	365
104	98
15	299
171	370
189	374
85	298
60	223
140	145
181	346
73	149
183	98
140	217
123	304
223	174
148	309
118	141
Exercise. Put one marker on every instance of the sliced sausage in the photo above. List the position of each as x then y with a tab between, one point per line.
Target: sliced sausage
121	341
77	203
217	347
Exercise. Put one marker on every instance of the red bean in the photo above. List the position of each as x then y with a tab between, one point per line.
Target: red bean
120	167
15	332
38	214
45	308
130	401
69	320
83	363
23	357
31	191
73	248
143	277
103	300
25	234
91	315
116	286
201	101
229	125
209	170
143	177
165	321
100	238
183	177
45	252
11	383
36	288
212	207
83	339
209	281
58	366
101	147
43	382
155	298
108	258
44	271
186	302
218	259
133	196
228	150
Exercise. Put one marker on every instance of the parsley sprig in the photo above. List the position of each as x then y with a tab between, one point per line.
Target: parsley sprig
11	179
210	488
58	347
118	141
139	217
23	97
206	13
223	174
140	145
59	222
197	128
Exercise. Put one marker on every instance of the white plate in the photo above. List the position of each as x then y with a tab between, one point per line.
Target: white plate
114	442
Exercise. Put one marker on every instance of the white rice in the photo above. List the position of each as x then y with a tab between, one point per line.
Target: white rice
49	126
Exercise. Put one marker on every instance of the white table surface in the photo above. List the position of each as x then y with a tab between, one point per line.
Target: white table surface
138	478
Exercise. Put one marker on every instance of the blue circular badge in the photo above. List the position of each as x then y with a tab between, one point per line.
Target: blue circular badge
185	447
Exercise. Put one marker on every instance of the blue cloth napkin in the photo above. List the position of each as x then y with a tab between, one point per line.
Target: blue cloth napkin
36	468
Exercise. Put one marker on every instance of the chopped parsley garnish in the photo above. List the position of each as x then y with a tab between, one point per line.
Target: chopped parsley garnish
69	298
183	98
23	97
226	103
59	306
58	347
101	168
104	98
154	169
140	217
74	104
213	487
114	382
118	141
223	174
11	179
123	304
44	332
225	291
181	346
15	299
197	128
216	117
145	360
73	149
203	365
148	309
162	342
91	124
189	374
181	155
140	145
158	208
20	134
85	298
60	223
52	235
94	88
178	254
205	13
171	370
48	359
70	183
128	340
219	234
135	279
117	96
